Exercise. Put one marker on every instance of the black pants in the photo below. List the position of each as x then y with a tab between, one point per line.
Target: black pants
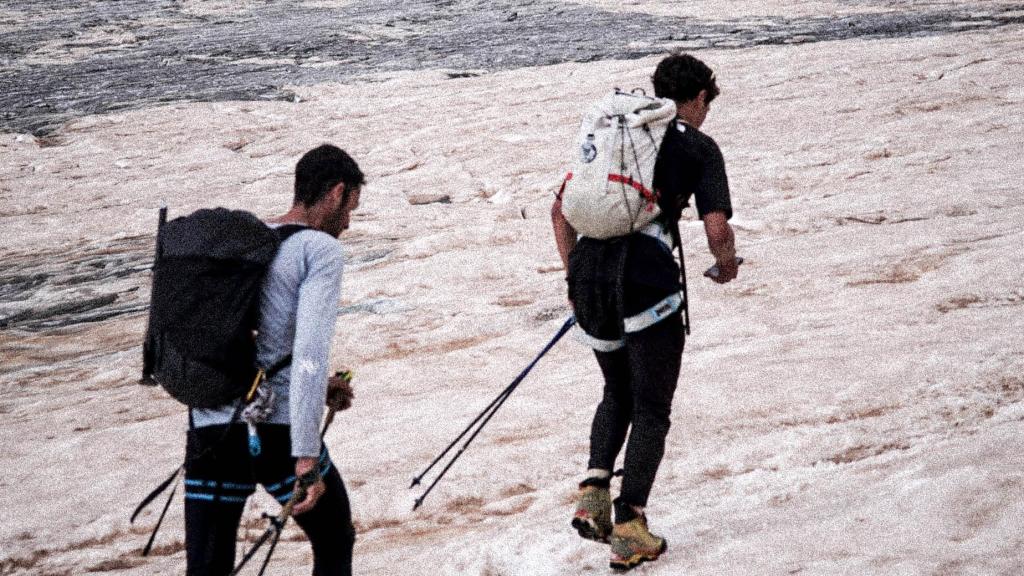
220	475
640	380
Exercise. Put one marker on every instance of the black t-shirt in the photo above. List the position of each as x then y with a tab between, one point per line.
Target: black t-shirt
690	164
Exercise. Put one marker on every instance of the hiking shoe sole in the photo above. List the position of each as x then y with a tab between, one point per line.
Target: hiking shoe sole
589	530
620	564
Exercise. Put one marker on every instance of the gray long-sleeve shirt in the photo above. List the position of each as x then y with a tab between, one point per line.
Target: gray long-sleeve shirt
298	305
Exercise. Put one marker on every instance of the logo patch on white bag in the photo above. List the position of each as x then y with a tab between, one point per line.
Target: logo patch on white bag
588	152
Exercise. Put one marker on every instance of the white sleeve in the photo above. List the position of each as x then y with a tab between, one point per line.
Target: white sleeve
316	316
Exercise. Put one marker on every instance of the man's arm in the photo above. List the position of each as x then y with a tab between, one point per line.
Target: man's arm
722	243
565	234
314	331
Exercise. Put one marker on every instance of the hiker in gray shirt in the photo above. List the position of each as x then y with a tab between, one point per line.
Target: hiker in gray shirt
278	445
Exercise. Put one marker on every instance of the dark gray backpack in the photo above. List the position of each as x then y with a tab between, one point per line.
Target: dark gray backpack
200	345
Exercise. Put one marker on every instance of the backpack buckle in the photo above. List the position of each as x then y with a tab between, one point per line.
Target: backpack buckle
260	375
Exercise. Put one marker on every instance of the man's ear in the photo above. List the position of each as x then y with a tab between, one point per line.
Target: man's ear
337	193
702	97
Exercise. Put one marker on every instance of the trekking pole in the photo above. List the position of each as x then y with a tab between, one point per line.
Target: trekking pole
419	501
489	412
498	400
278	522
274	530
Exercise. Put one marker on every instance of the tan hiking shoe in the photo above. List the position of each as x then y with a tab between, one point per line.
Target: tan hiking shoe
633	544
593	518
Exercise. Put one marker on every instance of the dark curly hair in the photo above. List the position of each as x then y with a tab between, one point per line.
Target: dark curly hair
323	168
681	77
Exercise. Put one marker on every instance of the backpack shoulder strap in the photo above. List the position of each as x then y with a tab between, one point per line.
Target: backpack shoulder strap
278	366
285	232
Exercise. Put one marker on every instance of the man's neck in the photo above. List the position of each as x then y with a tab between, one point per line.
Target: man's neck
686	120
297	215
689	113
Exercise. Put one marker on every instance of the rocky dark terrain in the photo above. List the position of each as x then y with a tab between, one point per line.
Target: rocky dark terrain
69	59
63	60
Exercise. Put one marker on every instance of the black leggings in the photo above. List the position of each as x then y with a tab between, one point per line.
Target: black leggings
640	380
220	475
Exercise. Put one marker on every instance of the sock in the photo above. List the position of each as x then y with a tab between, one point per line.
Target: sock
624	511
597	477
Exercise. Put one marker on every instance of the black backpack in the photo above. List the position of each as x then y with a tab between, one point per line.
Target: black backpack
200	342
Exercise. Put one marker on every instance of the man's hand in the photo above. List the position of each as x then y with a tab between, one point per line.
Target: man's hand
726	271
304	466
339	391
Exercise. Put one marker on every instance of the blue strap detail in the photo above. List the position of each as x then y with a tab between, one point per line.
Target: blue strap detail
214	484
283	499
286	482
325	465
212	497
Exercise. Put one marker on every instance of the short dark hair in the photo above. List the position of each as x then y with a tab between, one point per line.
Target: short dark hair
323	168
681	77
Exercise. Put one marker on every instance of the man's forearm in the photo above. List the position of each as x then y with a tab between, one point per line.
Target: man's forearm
721	240
565	235
724	248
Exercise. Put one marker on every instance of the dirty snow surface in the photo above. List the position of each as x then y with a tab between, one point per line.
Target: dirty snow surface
852	405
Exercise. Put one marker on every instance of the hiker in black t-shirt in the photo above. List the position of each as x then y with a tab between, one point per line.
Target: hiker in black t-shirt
625	293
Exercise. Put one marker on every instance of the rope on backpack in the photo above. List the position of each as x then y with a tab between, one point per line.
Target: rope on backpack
622	170
257	411
636	160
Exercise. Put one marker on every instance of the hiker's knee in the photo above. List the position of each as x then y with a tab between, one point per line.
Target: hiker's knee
652	414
